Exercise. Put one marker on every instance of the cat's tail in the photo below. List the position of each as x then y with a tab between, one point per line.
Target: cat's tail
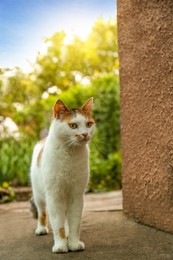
33	208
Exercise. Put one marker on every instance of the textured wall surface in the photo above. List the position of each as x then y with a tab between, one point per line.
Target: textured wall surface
145	30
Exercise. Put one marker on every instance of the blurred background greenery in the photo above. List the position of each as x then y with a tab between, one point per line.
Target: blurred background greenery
72	71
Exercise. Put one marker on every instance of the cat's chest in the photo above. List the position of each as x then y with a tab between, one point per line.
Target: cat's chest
63	171
67	162
71	161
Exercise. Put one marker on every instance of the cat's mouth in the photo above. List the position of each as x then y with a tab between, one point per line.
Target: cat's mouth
84	140
82	137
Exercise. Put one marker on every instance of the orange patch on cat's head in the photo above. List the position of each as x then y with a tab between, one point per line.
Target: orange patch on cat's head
60	109
87	107
62	112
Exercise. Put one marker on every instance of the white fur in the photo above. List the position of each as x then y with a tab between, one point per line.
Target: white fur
59	181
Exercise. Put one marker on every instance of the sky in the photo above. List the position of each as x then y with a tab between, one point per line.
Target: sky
25	23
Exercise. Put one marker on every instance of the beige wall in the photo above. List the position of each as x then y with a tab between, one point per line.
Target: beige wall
145	30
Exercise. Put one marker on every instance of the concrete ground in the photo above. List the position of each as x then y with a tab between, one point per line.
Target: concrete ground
107	234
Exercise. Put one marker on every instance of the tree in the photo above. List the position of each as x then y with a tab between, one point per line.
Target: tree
64	65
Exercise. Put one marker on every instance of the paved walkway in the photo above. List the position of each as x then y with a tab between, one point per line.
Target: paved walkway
107	234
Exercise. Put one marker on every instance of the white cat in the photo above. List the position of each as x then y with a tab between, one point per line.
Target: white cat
59	174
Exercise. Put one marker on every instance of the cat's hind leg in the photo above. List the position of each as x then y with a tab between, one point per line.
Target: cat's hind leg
42	219
33	208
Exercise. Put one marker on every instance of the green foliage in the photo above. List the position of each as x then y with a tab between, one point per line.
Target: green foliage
105	147
105	157
105	173
15	160
107	113
72	72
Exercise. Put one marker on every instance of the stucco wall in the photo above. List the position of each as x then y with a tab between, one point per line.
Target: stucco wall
145	31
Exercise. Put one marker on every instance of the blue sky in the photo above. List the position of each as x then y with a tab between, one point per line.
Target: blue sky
25	23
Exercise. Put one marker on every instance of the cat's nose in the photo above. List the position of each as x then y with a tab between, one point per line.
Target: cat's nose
85	135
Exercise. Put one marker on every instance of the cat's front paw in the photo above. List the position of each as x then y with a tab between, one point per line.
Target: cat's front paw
76	246
41	231
59	248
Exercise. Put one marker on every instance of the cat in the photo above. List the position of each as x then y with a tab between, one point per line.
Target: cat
60	172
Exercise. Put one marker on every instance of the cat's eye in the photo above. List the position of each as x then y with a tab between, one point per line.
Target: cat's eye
73	125
89	124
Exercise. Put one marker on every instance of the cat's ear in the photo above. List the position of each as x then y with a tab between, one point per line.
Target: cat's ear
59	108
88	105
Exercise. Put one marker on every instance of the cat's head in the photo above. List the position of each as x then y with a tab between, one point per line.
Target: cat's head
74	126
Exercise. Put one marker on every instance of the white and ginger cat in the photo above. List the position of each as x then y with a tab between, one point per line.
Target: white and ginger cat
59	174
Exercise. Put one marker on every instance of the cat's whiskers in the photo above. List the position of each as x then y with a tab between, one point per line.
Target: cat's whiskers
97	147
69	145
72	146
66	144
103	142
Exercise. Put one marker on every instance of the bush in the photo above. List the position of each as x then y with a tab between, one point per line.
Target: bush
105	173
107	113
105	159
15	160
